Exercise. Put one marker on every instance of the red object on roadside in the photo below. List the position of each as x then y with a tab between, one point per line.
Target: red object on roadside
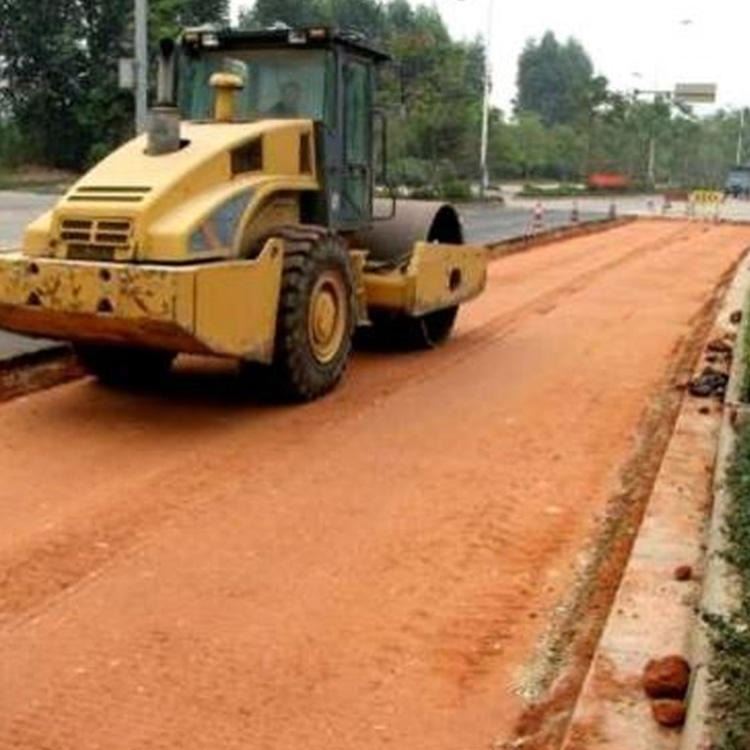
667	677
607	181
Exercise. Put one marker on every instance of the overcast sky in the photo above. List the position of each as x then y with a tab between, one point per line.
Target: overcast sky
651	38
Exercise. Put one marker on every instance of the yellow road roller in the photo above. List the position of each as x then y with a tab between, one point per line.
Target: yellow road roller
243	224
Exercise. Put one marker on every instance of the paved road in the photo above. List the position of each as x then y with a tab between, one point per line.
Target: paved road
17	210
635	205
493	222
188	569
483	223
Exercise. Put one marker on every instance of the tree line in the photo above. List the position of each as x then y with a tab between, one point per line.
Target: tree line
568	123
60	105
59	99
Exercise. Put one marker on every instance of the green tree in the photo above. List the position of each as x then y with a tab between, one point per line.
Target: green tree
431	93
567	152
44	71
168	17
60	104
59	62
554	80
532	143
364	15
265	13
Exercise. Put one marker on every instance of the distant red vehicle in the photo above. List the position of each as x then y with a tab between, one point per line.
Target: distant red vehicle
608	181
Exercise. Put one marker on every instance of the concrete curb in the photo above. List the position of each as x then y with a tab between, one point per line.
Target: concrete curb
718	595
39	356
529	241
38	371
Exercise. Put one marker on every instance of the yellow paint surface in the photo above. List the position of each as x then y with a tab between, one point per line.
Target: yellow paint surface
225	308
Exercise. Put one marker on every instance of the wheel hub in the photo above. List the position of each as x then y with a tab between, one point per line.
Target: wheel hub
327	316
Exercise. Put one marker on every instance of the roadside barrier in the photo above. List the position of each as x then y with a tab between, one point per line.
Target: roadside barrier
705	205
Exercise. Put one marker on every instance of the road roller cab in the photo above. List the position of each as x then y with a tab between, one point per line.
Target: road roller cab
243	223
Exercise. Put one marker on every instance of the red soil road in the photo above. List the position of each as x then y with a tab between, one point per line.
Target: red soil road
189	569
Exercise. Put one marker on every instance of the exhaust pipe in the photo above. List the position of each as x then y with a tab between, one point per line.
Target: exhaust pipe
226	85
165	83
164	122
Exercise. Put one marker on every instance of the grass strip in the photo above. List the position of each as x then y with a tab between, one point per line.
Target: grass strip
730	635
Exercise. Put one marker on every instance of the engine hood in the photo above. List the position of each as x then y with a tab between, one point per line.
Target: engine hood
133	205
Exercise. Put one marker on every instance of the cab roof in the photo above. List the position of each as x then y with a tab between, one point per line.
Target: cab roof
280	37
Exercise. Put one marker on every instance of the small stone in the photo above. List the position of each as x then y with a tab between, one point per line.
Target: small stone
669	712
683	573
711	382
667	677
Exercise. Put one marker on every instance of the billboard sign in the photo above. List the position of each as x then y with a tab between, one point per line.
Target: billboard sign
695	93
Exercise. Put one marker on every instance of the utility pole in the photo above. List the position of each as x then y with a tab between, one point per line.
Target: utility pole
652	159
484	171
141	65
740	136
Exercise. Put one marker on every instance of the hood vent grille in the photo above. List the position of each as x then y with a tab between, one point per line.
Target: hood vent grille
114	194
89	239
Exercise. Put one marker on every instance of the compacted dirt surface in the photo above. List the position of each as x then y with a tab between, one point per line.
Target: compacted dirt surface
191	568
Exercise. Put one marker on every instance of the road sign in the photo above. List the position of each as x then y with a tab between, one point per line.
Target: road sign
695	93
126	71
707	196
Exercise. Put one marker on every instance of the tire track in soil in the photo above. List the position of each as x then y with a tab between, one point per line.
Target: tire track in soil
34	577
387	590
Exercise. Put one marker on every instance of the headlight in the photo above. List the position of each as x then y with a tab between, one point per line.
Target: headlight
218	231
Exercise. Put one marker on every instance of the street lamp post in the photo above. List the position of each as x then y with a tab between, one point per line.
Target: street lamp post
484	175
141	65
651	168
651	165
740	137
483	169
652	158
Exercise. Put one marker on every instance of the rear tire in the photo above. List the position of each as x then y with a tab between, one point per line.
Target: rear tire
126	365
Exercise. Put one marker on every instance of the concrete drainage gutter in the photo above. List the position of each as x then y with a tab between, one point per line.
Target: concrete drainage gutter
718	595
